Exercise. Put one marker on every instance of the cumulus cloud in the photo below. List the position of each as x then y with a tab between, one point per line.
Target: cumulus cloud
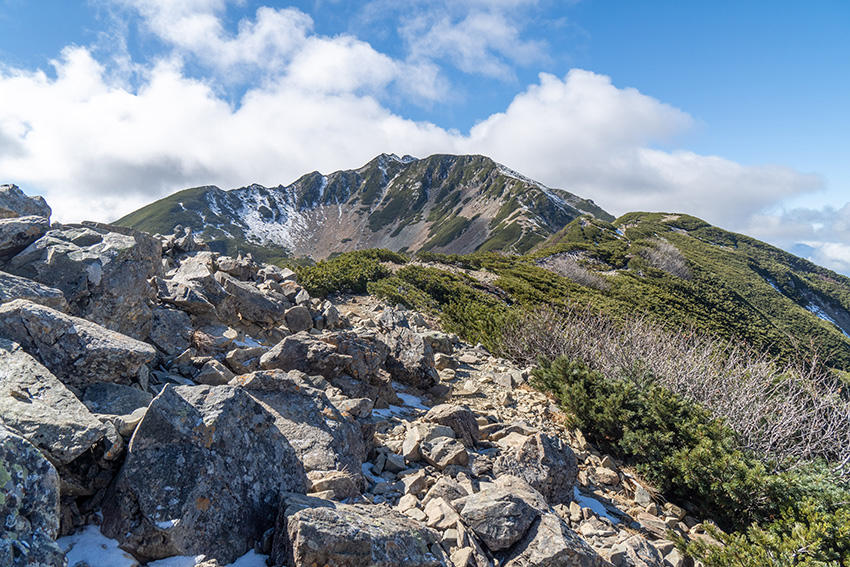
819	235
99	148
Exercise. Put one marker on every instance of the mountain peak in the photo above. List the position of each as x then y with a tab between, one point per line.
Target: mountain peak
445	203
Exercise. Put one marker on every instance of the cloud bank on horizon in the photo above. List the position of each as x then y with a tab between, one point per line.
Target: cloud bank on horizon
102	133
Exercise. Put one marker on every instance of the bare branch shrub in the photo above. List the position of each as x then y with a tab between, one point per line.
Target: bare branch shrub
666	257
790	413
567	266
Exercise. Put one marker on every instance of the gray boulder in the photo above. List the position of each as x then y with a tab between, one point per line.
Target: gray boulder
353	535
307	353
103	271
29	505
15	287
171	330
323	437
502	515
184	296
298	319
204	474
546	463
410	359
15	203
252	305
18	233
460	419
245	360
37	406
75	350
551	543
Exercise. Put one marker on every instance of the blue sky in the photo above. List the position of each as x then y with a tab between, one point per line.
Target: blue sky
737	112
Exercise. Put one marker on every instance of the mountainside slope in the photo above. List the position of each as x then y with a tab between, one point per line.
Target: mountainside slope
681	269
443	203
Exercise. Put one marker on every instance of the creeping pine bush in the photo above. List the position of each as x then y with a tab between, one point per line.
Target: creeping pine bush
347	273
671	441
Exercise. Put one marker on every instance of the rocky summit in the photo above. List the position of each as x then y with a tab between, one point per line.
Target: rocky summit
443	203
185	403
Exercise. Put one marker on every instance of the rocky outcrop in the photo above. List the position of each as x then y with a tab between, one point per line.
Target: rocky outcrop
355	535
37	406
15	287
75	350
203	475
15	203
546	463
29	505
410	359
324	439
18	233
102	270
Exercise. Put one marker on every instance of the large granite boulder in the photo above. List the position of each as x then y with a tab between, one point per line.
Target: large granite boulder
75	350
103	271
171	330
252	305
551	543
353	535
204	474
15	287
546	463
37	406
324	438
15	203
410	359
307	353
502	515
18	233
29	505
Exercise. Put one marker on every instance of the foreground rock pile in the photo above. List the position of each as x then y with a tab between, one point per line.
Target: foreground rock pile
193	404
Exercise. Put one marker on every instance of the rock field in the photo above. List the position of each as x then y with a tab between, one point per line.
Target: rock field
193	404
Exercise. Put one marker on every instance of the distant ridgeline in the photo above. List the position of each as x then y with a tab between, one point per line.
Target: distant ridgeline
443	203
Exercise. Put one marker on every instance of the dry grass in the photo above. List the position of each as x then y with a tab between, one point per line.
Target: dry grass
788	413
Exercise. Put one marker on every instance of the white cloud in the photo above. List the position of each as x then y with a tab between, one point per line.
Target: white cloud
98	148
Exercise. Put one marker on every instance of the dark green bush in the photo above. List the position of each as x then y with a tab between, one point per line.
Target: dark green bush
348	272
672	442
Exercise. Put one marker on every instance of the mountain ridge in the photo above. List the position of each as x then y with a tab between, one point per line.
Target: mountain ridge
444	203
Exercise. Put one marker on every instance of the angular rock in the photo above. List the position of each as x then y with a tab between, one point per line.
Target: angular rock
302	351
184	296
638	552
420	432
298	319
440	514
501	515
203	475
546	463
75	350
37	406
245	360
103	271
15	203
443	452
460	419
439	342
340	484
264	309
18	233
551	543
213	373
446	488
353	535
15	287
323	438
29	505
171	330
411	359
